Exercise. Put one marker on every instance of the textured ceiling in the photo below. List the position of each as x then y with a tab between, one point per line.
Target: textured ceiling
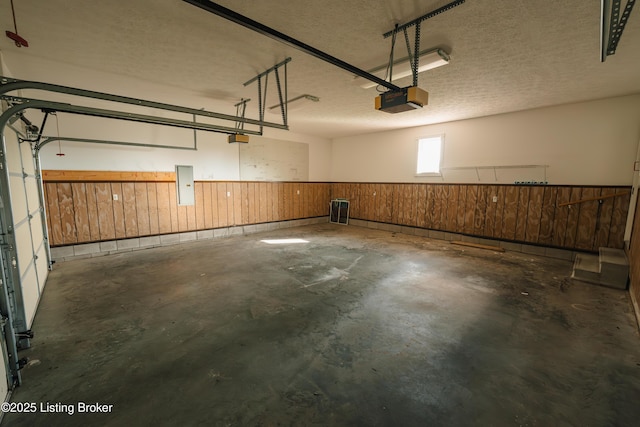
506	55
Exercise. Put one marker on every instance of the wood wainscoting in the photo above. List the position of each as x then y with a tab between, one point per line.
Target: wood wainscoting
83	212
520	213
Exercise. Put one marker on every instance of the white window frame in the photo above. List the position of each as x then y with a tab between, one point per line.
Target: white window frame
439	173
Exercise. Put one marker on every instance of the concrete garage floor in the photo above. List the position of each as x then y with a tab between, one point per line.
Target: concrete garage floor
355	327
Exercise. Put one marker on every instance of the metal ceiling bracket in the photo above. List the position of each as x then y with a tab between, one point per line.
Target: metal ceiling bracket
262	94
616	25
241	108
414	59
424	17
246	22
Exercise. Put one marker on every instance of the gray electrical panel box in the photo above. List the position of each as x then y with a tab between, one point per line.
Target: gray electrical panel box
184	183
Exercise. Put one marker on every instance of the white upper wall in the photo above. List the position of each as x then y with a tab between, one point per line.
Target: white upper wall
215	158
590	143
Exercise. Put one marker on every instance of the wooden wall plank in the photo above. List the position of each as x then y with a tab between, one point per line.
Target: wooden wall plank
604	219
375	202
215	217
480	214
129	209
282	210
80	212
106	176
587	219
173	208
251	203
522	211
619	219
142	208
363	199
104	202
304	200
470	208
222	204
429	201
277	200
229	200
462	206
572	218
399	203
561	216
269	195
244	189
190	213
490	212
92	212
384	202
509	213
413	209
634	260
499	218
199	204
118	211
164	207
421	208
285	200
452	208
297	200
547	215
405	198
67	220
236	192
152	198
207	205
534	214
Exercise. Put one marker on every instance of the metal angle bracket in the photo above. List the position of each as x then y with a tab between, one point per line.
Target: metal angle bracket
617	22
262	93
414	58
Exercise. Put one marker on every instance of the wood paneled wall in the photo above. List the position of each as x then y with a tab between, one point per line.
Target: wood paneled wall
82	212
521	213
634	262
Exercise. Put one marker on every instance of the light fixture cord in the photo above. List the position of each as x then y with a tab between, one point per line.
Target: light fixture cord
13	12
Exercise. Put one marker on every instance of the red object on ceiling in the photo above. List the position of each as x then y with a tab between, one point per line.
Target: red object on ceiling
20	42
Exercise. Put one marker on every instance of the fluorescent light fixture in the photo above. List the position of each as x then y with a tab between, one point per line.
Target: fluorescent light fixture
295	103
283	241
429	59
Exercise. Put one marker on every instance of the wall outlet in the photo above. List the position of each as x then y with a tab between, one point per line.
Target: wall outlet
495	199
228	193
298	192
115	197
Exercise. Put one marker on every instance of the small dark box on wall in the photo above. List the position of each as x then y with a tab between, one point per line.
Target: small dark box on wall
339	213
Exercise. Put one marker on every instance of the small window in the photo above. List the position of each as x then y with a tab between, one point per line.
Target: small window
430	155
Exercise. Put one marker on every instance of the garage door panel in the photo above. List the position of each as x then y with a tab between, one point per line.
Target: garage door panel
36	230
33	193
13	153
30	295
18	199
42	267
23	247
27	159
